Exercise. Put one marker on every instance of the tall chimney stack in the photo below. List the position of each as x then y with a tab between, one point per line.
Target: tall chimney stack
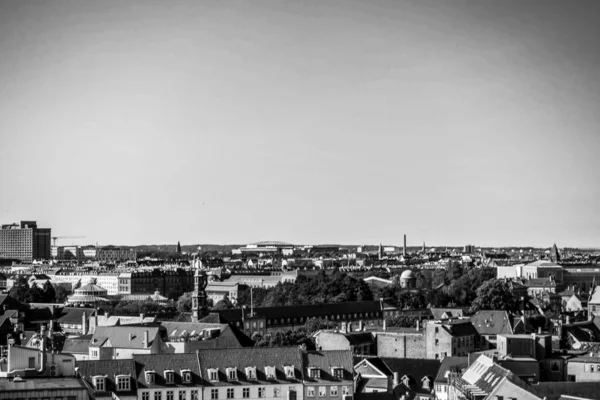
404	248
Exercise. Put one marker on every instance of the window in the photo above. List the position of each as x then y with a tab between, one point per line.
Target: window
333	391
214	394
437	330
94	353
31	362
262	392
276	392
437	342
289	371
270	372
213	374
145	396
314	373
246	393
322	391
169	395
232	374
592	368
345	390
123	383
99	383
194	395
230	393
150	377
186	375
251	373
181	395
170	376
310	391
157	395
338	373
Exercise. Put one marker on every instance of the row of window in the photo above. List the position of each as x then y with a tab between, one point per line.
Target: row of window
213	373
169	375
590	368
170	395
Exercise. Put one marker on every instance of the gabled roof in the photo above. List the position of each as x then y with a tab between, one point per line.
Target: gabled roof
449	364
445	313
414	368
459	328
119	336
110	369
159	363
326	360
73	315
358	338
77	345
491	322
376	364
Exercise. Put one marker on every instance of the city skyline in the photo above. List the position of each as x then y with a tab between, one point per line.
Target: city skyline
345	122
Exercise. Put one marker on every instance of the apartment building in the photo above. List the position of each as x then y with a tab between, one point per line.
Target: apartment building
25	242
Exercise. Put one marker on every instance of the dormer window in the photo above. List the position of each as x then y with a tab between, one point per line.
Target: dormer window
289	371
232	374
406	380
186	376
251	373
213	374
426	383
100	383
314	373
150	378
169	376
270	373
123	383
338	373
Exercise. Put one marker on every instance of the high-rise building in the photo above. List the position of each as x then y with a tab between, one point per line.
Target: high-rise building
25	242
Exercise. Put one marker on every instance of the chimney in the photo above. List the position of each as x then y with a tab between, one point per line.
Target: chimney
396	381
539	330
146	339
84	324
142	317
349	326
384	325
360	325
418	325
568	319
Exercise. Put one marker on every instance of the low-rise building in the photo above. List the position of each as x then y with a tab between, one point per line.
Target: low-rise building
450	338
120	342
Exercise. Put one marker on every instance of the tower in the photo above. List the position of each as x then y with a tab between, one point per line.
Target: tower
199	309
554	254
404	247
380	251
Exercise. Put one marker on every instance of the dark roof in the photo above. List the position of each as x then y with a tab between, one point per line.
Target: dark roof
108	368
358	338
451	364
415	368
259	357
326	360
73	315
375	362
554	390
159	363
311	310
586	331
460	328
491	322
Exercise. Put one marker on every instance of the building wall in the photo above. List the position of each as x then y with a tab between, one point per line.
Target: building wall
331	341
190	393
74	394
516	346
410	345
438	341
584	371
238	389
16	243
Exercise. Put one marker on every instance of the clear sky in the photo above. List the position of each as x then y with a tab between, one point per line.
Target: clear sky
141	122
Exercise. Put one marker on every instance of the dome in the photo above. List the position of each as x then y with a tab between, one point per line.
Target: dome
408	274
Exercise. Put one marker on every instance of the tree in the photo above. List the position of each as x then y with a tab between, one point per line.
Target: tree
34	294
495	294
184	304
49	294
19	290
60	294
223	304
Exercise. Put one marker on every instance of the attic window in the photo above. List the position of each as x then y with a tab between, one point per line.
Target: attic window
123	383
186	375
100	383
150	376
213	374
314	373
270	373
406	380
289	371
169	376
338	373
232	374
251	373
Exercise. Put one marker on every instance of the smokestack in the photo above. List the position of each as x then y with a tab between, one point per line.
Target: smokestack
404	248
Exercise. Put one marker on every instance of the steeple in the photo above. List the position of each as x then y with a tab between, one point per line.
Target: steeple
554	254
380	251
199	308
178	248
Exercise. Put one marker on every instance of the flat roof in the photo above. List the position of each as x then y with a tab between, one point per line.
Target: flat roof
40	383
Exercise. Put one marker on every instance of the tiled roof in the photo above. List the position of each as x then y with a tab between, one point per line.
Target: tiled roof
460	328
450	364
414	368
312	310
73	315
490	322
110	369
77	345
119	336
178	329
326	360
159	363
375	362
259	357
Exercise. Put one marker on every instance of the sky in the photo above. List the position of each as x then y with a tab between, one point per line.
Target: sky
350	122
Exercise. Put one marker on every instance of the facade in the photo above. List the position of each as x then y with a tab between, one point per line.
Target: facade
109	378
450	338
253	373
168	377
583	369
115	254
358	343
401	344
25	242
217	291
